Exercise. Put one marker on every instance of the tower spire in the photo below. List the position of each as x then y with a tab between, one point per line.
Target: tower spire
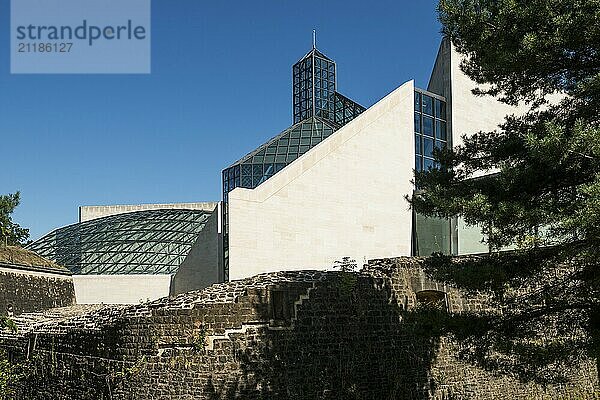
314	38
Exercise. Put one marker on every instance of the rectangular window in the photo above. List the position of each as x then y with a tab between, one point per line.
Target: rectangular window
418	166
440	130
428	126
418	144
280	309
428	164
440	109
418	122
427	147
417	102
427	105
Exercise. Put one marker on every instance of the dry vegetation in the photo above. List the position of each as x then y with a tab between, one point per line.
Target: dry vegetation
20	256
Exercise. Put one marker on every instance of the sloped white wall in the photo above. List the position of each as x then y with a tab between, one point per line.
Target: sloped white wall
202	266
345	197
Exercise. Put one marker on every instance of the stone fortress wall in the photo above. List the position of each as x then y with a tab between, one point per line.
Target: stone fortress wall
30	283
29	289
282	335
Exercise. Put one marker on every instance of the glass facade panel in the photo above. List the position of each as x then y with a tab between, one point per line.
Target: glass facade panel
419	163
417	102
427	126
427	147
418	122
281	150
428	163
430	128
345	109
432	235
440	109
440	129
427	104
418	144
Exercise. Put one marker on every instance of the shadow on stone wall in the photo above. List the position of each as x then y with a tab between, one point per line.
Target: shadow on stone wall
346	343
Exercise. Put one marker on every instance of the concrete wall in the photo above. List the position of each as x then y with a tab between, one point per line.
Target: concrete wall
29	289
203	265
120	289
345	197
87	213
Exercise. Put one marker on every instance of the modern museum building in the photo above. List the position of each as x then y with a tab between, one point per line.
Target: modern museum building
332	185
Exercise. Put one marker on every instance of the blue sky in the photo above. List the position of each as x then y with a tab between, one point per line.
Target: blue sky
220	85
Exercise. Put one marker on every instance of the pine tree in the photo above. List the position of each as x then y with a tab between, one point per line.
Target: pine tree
542	191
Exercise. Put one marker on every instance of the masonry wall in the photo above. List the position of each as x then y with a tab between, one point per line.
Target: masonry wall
287	335
30	289
345	197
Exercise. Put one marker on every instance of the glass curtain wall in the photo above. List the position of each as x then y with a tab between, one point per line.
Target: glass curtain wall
430	235
430	128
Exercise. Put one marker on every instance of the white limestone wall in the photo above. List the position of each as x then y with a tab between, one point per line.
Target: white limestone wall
120	289
345	197
203	265
469	113
87	213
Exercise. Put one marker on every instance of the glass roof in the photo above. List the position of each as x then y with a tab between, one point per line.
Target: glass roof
317	53
313	130
270	158
142	242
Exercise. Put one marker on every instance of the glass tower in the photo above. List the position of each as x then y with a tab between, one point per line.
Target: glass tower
314	86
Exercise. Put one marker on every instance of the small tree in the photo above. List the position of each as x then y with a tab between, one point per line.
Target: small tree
346	264
11	234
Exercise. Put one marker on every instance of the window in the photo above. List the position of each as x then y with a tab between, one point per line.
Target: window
430	129
427	147
417	102
427	105
440	130
418	122
428	126
440	109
